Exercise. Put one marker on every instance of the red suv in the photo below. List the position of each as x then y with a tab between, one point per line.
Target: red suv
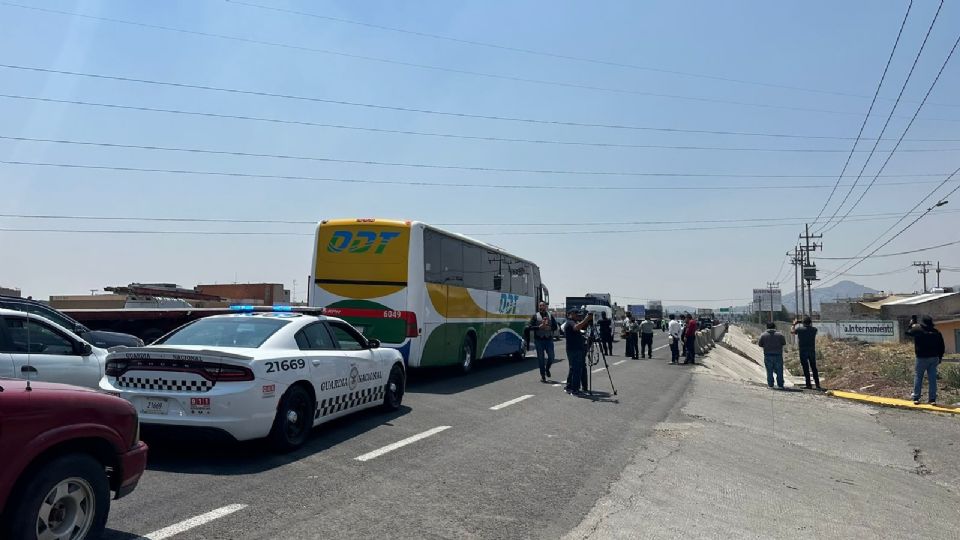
63	450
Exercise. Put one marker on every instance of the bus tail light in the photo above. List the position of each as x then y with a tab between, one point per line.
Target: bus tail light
411	319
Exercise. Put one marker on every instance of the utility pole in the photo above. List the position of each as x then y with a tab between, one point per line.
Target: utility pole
938	274
809	267
924	271
796	287
770	287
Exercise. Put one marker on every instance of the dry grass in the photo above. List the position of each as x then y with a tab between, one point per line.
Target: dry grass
881	369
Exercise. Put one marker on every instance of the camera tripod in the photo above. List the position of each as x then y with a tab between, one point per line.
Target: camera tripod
595	356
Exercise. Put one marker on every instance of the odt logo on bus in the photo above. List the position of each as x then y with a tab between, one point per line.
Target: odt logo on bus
360	241
508	303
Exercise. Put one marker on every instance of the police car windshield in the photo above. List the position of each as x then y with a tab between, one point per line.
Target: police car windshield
246	332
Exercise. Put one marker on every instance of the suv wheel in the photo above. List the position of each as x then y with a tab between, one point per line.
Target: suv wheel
294	420
68	497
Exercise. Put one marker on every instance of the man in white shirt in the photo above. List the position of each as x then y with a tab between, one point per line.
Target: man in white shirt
674	328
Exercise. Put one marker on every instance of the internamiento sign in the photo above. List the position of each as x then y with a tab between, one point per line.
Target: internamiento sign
862	329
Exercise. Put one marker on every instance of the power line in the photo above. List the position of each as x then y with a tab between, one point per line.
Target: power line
888	273
860	217
365	128
894	237
897	254
867	116
429	67
465	184
546	54
905	130
210	151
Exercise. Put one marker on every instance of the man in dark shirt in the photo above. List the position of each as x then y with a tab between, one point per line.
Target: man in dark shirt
929	348
576	349
606	334
807	347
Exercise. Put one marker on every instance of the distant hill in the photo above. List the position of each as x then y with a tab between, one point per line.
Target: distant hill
841	289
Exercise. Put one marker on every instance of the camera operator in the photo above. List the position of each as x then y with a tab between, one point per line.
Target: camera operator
576	348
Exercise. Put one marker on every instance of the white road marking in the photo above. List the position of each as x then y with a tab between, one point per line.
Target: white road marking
618	363
598	370
511	402
400	444
661	347
188	524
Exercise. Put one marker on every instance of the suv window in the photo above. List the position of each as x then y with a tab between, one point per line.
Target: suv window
29	336
42	310
347	337
315	337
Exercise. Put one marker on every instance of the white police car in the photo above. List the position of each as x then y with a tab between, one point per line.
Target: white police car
255	374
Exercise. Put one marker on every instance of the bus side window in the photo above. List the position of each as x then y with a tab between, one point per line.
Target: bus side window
432	264
451	255
473	267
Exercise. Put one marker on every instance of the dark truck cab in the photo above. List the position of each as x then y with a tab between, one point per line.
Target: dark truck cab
98	338
64	449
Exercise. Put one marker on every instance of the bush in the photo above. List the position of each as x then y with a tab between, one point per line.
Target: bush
950	374
897	369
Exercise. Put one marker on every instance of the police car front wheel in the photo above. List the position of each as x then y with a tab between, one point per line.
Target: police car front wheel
395	385
294	419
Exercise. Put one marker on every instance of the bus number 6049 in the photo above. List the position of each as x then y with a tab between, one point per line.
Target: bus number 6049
392	315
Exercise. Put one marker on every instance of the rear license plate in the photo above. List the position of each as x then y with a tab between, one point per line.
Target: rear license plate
154	406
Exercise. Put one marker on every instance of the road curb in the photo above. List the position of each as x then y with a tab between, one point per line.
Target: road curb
890	402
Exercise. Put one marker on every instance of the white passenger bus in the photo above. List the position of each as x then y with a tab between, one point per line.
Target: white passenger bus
438	297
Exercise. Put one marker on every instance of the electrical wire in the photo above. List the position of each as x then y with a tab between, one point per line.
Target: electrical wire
541	53
897	254
861	217
712	187
904	134
892	238
873	101
429	67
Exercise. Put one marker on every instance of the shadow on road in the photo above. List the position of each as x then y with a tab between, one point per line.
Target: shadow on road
199	456
448	380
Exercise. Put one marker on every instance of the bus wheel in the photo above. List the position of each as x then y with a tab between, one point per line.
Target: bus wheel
468	354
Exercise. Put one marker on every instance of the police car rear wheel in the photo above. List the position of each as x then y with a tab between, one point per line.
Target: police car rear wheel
394	394
294	420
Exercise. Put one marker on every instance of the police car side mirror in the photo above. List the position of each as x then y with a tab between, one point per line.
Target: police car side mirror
374	343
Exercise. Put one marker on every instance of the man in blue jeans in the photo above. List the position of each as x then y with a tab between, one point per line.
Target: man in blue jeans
772	343
576	349
543	325
929	348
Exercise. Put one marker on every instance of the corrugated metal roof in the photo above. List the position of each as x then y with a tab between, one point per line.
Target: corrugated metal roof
918	299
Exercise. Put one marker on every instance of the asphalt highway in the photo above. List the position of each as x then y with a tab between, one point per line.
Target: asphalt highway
492	454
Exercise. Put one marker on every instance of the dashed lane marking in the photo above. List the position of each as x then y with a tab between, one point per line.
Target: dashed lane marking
188	524
511	402
618	363
400	444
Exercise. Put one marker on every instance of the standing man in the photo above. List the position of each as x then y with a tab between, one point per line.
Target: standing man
929	348
631	329
606	334
807	346
690	340
674	328
543	325
576	349
646	337
772	343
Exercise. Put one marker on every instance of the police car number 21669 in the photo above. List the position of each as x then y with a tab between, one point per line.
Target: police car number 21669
253	375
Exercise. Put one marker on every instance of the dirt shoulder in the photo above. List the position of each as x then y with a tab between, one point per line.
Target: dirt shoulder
881	369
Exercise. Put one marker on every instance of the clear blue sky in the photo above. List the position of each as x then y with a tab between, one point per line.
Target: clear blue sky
837	47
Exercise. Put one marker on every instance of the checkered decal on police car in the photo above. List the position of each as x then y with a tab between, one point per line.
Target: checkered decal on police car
173	385
348	401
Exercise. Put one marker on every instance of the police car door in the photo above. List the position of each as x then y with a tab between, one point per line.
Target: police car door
364	370
323	359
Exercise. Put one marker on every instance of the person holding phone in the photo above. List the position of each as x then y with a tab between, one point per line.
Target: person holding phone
929	349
